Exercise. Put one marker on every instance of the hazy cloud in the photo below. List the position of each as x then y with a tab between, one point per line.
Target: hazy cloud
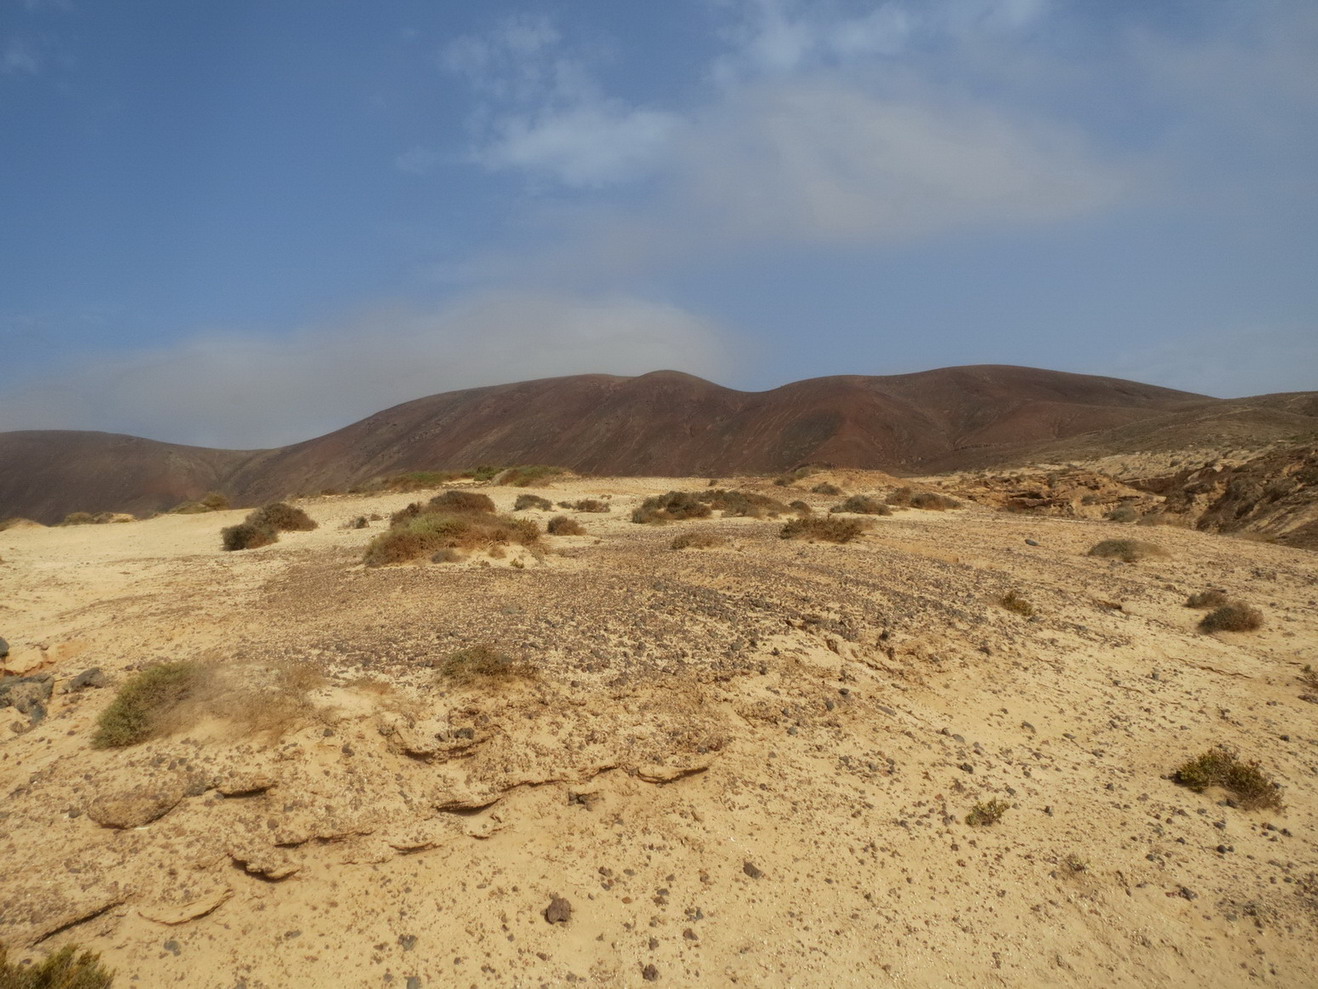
248	390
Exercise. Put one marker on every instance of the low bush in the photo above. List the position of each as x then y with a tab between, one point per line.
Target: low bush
565	525
1220	766
591	505
525	476
830	529
824	488
483	664
282	517
1015	603
248	535
1232	618
984	814
1122	513
671	507
67	968
900	497
461	501
1126	550
862	505
141	708
800	507
525	501
212	501
698	540
85	518
932	501
429	531
1212	598
742	504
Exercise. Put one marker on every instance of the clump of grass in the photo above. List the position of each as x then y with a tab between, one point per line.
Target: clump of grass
88	518
591	505
1211	598
824	488
800	507
1014	602
830	529
984	814
742	504
430	530
1251	787
1122	513
673	506
462	501
932	501
525	476
483	664
525	501
141	708
1075	864
282	517
65	969
862	505
1126	550
698	540
248	535
1233	617
565	525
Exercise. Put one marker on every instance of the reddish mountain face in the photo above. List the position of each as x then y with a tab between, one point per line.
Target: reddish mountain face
664	423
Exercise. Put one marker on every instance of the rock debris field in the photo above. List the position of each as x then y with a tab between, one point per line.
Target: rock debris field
599	760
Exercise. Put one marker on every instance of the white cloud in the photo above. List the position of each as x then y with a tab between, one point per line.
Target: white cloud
246	390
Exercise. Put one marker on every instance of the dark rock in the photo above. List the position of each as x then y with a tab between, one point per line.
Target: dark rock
559	910
650	973
408	941
414	982
4	648
87	678
27	695
752	870
1031	542
966	767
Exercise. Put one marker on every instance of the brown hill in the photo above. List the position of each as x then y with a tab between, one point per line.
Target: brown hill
663	423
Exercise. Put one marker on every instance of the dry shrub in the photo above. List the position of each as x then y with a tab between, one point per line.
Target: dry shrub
800	507
1126	550
900	497
84	518
824	488
565	525
932	501
1220	766
65	969
461	501
671	507
248	535
525	476
145	703
448	555
590	505
1232	618
1211	598
862	505
429	531
829	529
525	501
698	540
1017	604
1122	513
282	517
984	814
482	664
743	504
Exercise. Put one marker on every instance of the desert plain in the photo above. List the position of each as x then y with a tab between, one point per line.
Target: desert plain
750	764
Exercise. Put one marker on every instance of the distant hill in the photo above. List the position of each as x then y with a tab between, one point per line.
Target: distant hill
663	423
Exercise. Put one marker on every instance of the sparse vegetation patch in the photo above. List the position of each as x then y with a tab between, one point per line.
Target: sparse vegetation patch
1126	550
862	505
591	505
67	968
1017	604
1212	598
525	501
984	814
1251	787
565	525
1234	617
671	507
698	540
524	477
829	529
248	535
461	501
141	708
422	531
483	664
282	517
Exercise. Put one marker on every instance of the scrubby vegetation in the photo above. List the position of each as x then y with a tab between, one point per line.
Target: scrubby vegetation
1212	598
1251	787
932	501
525	476
67	968
248	535
94	518
455	520
565	525
830	529
1234	617
417	480
282	517
1122	513
1014	602
698	540
862	505
797	474
461	501
678	505
212	501
591	505
671	507
824	488
141	708
984	814
1126	550
483	664
525	501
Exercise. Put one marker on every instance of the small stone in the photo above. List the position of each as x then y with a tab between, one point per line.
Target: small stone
966	767
752	870
650	973
1031	542
93	678
172	947
414	982
4	648
559	911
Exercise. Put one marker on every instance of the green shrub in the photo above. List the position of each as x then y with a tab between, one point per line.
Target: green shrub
486	472
143	704
671	507
248	535
1014	602
591	505
282	517
829	529
1212	598
862	505
461	501
565	525
1122	513
1220	766
430	531
483	664
1126	550
1232	618
524	477
65	969
698	540
525	501
984	814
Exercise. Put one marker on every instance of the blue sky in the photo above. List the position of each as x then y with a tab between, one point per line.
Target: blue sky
246	223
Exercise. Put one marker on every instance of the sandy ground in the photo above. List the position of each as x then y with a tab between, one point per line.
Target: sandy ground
746	765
